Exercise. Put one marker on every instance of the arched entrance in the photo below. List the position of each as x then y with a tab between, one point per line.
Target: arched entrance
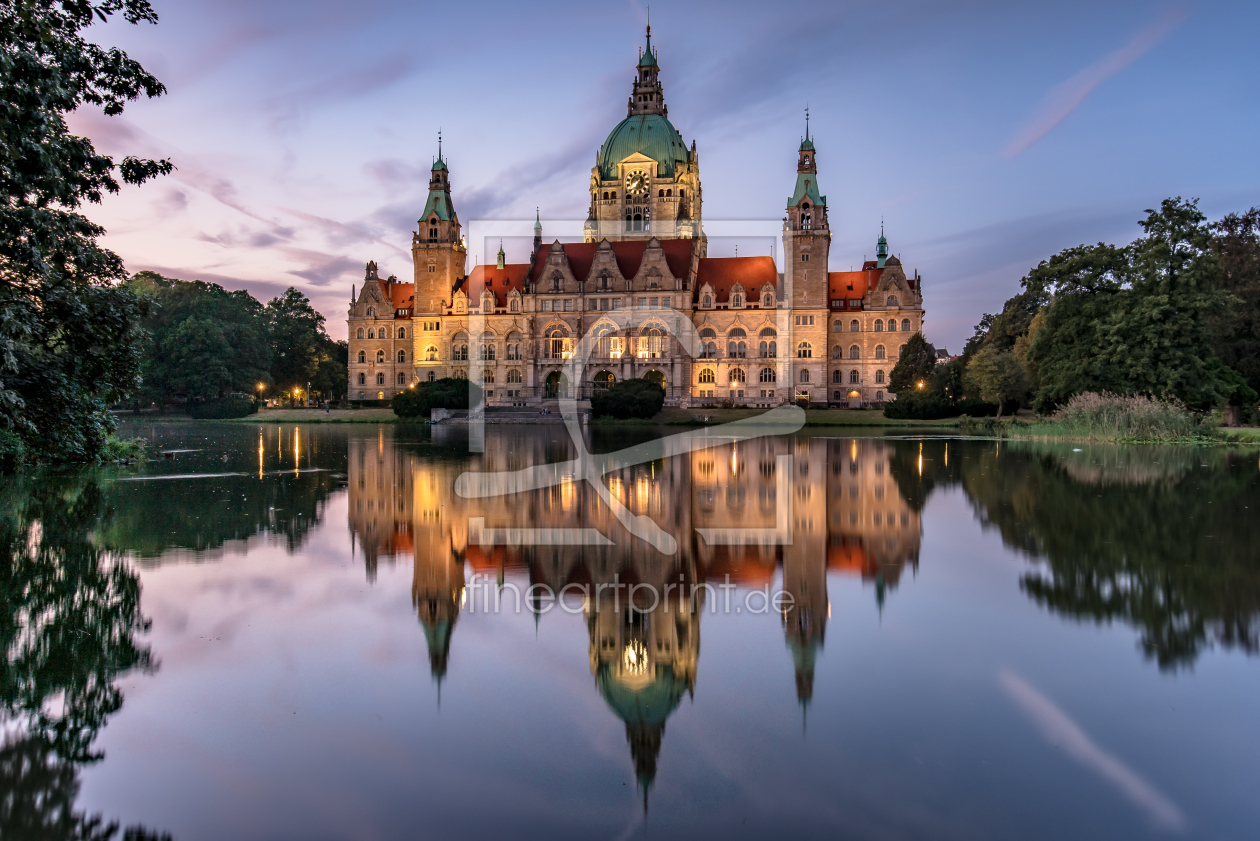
604	380
855	399
556	385
655	377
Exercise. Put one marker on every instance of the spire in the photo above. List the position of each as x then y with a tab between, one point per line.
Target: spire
439	165
881	248
648	58
502	258
807	143
647	96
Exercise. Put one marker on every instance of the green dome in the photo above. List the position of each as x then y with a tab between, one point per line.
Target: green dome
651	134
650	705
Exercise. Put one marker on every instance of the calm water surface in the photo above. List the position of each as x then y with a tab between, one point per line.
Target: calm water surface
290	633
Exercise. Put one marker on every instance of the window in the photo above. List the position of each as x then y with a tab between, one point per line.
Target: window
459	346
836	352
362	357
804	321
402	378
568	306
513	348
905	325
402	332
879	398
854	326
430	353
557	344
402	356
879	325
362	379
837	326
767	375
706	375
544	306
432	269
879	351
514	305
892	300
487	351
804	376
737	300
652	343
371	313
380	356
371	334
853	378
804	350
380	379
892	325
487	376
360	335
879	376
432	376
837	377
514	376
804	258
737	375
854	353
706	301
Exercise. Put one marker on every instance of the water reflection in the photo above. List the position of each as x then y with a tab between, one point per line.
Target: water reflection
69	620
848	515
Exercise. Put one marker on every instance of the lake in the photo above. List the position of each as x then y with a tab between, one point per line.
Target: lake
324	632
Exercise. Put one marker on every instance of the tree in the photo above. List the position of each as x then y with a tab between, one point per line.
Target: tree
296	330
446	393
69	334
997	377
634	398
1131	320
915	367
1235	327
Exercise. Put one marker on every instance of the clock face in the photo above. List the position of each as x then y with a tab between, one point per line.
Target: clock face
636	183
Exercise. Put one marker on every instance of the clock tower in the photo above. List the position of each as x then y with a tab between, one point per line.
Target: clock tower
437	251
806	249
645	182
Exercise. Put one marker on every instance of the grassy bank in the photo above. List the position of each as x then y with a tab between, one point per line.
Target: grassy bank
674	416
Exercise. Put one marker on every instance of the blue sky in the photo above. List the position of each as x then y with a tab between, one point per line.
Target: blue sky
987	135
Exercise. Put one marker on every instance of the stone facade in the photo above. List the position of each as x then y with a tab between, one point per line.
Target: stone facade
766	336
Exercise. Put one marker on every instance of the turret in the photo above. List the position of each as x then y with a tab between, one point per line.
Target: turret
647	96
437	251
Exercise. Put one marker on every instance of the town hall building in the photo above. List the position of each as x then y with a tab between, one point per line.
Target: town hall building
763	337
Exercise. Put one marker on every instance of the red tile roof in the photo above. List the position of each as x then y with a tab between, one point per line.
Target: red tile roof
502	281
629	256
722	273
845	285
401	295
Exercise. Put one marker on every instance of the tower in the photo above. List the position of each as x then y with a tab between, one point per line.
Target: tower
437	251
806	249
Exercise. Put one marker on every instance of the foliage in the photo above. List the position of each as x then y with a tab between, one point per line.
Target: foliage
69	333
1001	331
634	398
1131	320
228	407
1112	417
446	393
205	341
302	353
932	405
996	376
916	365
1235	327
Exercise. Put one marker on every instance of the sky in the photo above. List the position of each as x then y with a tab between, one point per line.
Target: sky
985	135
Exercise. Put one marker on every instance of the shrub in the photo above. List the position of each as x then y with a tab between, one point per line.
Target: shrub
228	407
446	393
928	405
12	450
1094	415
628	399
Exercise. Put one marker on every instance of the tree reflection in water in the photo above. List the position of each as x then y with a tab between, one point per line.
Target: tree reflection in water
70	614
1161	538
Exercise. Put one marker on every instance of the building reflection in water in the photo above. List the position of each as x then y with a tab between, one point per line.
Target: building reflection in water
847	515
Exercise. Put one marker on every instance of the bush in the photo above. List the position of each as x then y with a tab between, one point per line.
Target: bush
446	393
1094	415
928	405
628	399
228	407
12	450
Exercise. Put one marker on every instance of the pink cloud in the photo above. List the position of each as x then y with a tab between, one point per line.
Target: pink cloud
1067	97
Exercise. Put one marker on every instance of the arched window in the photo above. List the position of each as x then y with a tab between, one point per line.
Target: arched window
706	375
901	351
487	348
432	376
854	327
514	305
371	334
767	375
487	376
380	356
879	351
362	379
652	343
371	313
459	346
879	397
362	357
854	353
892	325
837	326
879	376
402	378
708	343
380	378
669	194
853	378
402	332
837	376
804	350
628	221
556	344
706	301
905	325
804	376
402	356
892	300
638	221
767	300
430	354
879	325
836	352
360	335
737	375
514	376
661	194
